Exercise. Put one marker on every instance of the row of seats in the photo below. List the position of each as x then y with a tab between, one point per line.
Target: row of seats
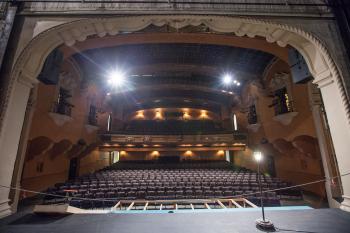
111	185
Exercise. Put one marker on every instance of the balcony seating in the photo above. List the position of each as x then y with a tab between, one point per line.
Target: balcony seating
171	183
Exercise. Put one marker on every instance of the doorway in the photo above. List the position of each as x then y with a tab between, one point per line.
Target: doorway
73	168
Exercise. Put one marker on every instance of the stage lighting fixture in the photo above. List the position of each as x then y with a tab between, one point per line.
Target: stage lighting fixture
116	78
227	79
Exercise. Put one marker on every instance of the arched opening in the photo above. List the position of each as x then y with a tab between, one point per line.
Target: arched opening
325	73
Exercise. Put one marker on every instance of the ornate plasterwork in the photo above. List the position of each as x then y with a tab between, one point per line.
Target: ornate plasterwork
91	128
254	127
60	119
286	118
319	60
279	81
321	64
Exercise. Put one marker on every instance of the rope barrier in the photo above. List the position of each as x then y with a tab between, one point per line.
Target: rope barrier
226	197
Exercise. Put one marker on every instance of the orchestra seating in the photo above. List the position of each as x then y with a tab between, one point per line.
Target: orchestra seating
171	126
183	180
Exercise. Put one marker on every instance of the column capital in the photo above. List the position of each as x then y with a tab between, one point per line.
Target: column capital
27	80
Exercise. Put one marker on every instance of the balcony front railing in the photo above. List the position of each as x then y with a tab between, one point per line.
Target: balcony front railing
283	107
92	120
223	139
62	108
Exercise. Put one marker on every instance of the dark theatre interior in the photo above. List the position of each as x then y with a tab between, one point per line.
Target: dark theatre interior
148	116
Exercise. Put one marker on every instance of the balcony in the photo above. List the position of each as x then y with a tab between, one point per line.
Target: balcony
91	124
284	112
226	140
61	113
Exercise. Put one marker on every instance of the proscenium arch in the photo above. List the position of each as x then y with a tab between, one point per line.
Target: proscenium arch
318	59
321	65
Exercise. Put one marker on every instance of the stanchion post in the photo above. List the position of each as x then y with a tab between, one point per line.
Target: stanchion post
263	223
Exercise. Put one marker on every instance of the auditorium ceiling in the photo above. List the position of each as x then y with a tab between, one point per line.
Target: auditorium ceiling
189	72
243	63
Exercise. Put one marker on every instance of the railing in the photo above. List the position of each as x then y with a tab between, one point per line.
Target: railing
223	139
283	107
92	120
62	108
176	205
252	119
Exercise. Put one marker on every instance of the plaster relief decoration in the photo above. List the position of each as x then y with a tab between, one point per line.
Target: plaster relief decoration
75	150
249	104
283	146
60	148
307	145
254	127
61	111
286	118
280	86
90	128
302	146
88	150
60	119
68	81
38	146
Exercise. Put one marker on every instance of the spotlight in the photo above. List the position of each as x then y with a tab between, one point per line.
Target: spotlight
227	79
238	84
116	78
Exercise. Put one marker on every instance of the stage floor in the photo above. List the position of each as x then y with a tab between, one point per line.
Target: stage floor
304	221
